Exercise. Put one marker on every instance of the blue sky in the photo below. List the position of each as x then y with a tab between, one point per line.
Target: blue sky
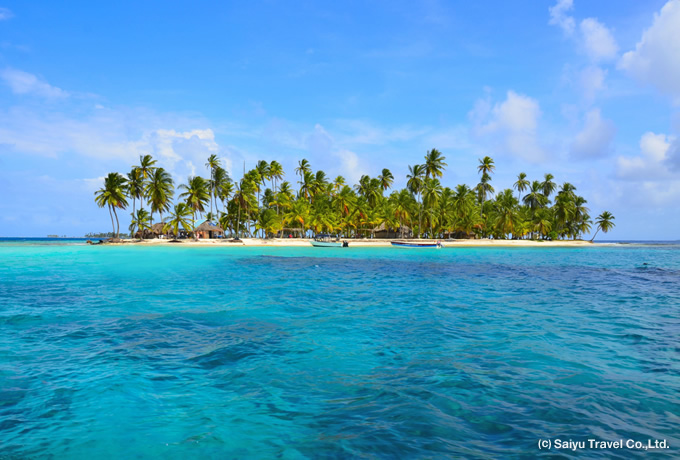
587	91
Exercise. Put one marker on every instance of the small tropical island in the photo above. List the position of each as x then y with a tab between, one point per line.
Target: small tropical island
262	206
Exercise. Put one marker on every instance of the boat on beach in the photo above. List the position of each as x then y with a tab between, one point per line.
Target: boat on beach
415	244
324	240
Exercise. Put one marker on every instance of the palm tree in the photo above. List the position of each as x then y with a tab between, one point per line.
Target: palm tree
343	201
564	213
464	202
322	205
303	169
581	218
262	169
135	186
369	189
604	222
319	183
300	214
386	179
306	185
276	173
583	226
285	196
221	186
225	221
484	188
434	164
179	217
244	198
146	167
432	191
446	215
521	185
548	186
568	189
212	164
160	191
269	222
113	196
486	167
403	203
338	183
196	194
415	184
543	222
535	198
140	221
507	216
210	217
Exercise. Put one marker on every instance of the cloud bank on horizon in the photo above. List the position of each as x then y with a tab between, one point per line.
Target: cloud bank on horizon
575	90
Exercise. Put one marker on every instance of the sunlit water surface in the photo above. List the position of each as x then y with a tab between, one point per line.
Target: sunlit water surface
181	352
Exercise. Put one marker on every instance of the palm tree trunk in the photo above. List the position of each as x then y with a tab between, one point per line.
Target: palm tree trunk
420	220
593	238
238	222
193	223
258	201
113	225
133	214
117	223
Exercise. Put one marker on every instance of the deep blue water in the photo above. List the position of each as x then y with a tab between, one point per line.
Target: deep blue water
140	352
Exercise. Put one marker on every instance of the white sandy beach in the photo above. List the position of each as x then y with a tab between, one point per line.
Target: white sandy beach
305	242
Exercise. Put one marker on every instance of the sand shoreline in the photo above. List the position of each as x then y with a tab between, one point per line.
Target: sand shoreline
298	242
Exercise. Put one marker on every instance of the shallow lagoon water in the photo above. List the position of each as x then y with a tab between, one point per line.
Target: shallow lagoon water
138	352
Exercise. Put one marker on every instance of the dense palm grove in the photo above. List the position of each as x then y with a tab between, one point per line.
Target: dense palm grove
262	203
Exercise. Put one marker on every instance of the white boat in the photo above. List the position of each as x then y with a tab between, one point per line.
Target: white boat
324	240
416	244
326	244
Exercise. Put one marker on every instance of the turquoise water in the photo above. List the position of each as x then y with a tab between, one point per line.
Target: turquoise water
138	352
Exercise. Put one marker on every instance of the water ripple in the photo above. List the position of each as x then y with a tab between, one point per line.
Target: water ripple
353	354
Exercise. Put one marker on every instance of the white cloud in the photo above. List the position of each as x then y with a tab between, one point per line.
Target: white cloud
111	138
654	149
598	41
595	138
26	83
326	151
350	165
591	81
672	159
594	39
93	184
655	146
656	58
5	14
559	16
512	123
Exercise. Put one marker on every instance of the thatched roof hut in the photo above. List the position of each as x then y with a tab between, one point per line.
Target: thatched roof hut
157	229
208	230
292	231
382	231
154	232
